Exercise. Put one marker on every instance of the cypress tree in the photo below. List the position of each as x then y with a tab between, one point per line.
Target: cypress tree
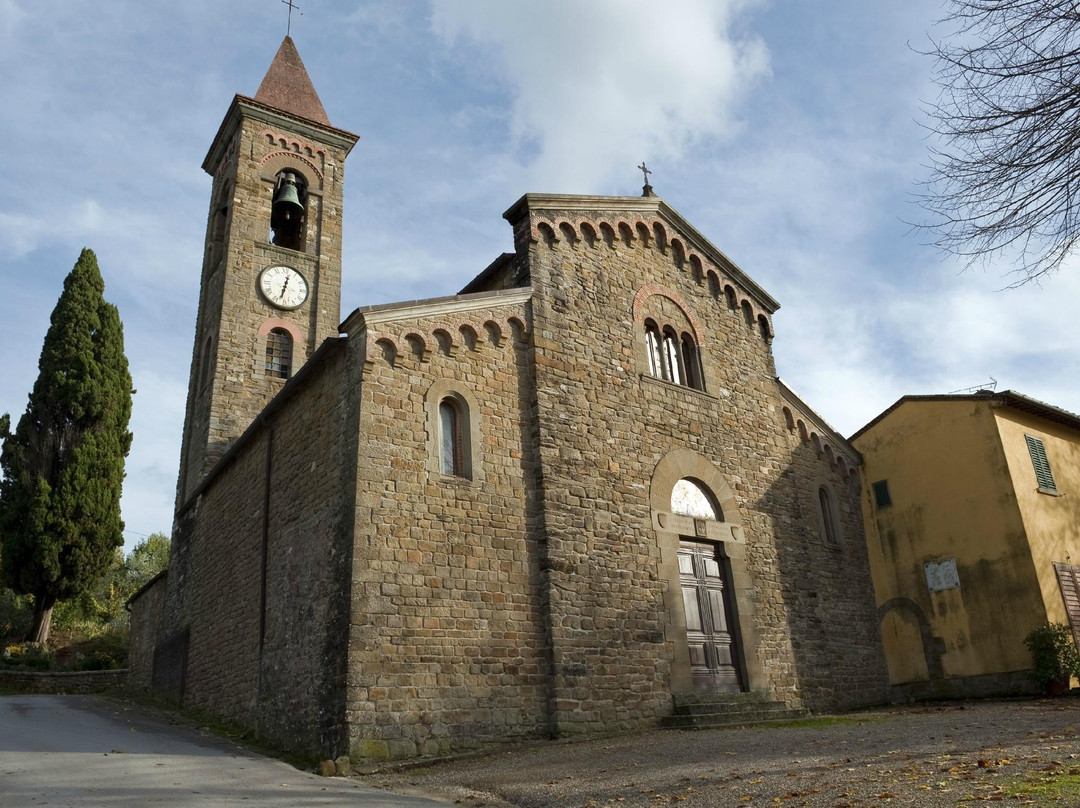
63	466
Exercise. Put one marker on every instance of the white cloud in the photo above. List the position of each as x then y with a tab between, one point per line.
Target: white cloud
600	86
11	16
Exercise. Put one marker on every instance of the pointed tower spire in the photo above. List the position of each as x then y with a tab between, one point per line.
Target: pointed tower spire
286	86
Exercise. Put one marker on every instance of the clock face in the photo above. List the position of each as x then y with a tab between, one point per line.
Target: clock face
283	286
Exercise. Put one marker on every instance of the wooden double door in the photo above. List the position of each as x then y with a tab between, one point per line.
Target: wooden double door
711	632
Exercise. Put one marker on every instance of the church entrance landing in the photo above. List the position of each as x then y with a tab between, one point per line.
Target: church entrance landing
710	624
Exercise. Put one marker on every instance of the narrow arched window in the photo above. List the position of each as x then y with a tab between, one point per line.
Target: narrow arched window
451	443
279	350
652	344
830	527
691	360
673	358
204	369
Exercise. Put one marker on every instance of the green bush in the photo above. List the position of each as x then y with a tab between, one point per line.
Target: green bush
1053	654
16	616
106	651
30	655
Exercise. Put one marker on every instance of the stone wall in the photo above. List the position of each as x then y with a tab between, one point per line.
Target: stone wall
146	607
447	638
605	424
63	682
257	573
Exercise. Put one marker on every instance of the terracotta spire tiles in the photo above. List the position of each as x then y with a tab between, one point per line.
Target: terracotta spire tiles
286	86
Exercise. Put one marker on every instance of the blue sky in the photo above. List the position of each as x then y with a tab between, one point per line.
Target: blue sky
787	132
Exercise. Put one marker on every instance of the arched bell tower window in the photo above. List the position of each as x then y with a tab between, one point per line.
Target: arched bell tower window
279	350
288	212
691	498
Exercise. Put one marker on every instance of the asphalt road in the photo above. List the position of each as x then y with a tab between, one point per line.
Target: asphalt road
85	751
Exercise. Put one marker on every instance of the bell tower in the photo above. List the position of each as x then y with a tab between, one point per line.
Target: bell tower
271	277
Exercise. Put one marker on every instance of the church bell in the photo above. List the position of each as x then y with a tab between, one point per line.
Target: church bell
287	205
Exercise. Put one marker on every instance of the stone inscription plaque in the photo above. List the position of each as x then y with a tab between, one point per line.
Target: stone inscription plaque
941	575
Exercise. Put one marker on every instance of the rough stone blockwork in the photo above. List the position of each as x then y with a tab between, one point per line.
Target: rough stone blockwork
809	633
447	642
258	569
64	682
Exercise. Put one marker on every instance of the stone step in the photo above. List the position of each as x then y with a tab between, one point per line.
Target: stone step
705	708
732	718
681	699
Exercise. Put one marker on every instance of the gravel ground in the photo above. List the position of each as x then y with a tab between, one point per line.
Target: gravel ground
921	755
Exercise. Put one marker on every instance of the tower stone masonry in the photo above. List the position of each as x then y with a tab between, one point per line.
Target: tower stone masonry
571	499
282	130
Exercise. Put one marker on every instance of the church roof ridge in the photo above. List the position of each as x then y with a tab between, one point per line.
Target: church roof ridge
383	312
819	420
287	86
643	204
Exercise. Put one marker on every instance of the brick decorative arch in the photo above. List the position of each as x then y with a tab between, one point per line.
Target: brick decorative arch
276	322
278	160
651	289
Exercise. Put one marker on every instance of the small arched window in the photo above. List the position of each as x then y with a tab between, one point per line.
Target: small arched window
673	358
279	350
691	360
691	498
828	516
652	345
451	439
204	369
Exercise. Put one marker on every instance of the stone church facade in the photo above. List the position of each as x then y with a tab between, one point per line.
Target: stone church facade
543	506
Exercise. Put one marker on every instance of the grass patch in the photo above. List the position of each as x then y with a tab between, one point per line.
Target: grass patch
829	721
1054	787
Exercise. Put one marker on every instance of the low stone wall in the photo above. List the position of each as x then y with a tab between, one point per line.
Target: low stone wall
62	681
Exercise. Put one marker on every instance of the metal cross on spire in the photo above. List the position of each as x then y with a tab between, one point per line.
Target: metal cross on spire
647	190
291	5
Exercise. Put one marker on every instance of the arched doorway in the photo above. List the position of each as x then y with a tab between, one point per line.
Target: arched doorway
703	550
705	580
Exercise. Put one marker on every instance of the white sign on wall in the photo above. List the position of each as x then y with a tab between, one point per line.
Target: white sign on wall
941	575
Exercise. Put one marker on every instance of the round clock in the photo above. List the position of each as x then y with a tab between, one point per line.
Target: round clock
283	286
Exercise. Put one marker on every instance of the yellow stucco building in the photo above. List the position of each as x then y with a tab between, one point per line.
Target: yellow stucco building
972	511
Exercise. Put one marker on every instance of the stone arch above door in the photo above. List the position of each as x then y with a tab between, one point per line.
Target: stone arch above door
686	463
727	535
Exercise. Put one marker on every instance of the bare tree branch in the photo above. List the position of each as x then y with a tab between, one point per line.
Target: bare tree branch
1007	119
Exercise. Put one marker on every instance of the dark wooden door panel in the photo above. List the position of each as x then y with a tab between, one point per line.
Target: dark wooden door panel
714	662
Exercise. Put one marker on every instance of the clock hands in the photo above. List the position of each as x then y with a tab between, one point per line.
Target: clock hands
284	287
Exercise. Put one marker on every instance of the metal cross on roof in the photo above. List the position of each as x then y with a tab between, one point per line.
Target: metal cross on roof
647	190
291	5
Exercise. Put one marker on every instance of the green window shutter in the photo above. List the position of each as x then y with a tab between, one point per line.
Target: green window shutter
882	498
1043	475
